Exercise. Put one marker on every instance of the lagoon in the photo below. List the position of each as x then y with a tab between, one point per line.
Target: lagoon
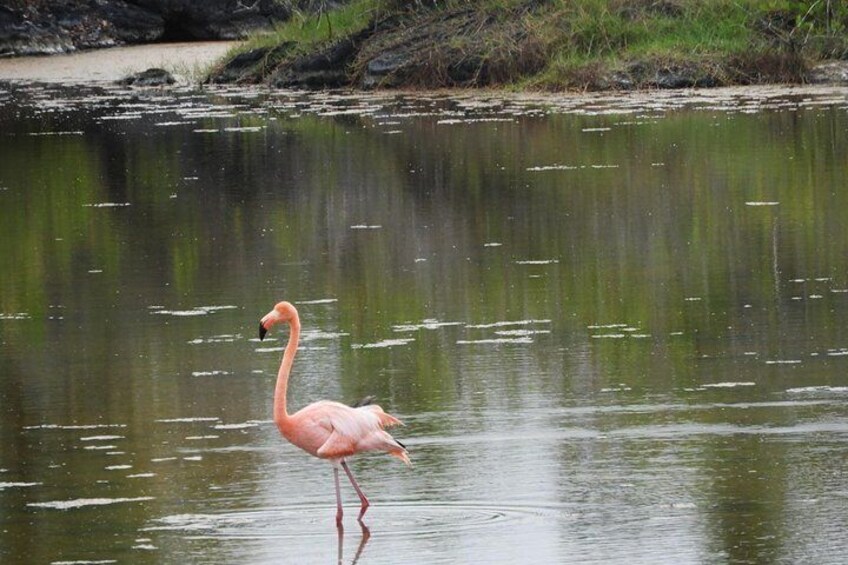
613	324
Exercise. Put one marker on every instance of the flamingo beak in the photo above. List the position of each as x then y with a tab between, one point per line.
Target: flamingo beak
262	331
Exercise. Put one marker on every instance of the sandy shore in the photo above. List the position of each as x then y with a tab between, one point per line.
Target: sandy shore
185	61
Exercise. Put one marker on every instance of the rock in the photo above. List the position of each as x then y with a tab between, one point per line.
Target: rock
53	26
325	68
834	72
251	66
150	77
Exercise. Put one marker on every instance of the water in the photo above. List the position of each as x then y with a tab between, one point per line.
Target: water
615	326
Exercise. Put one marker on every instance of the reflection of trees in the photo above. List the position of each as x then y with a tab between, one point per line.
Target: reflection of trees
270	215
745	486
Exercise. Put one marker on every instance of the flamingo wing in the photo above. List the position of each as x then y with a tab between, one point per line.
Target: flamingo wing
352	430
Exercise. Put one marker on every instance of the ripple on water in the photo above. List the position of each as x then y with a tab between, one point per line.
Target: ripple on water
399	519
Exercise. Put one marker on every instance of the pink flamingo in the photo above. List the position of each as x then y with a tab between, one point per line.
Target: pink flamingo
326	429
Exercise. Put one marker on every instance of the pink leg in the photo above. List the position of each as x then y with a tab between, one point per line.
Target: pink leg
339	511
362	497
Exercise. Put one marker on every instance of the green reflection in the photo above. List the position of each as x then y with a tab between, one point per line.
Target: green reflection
630	244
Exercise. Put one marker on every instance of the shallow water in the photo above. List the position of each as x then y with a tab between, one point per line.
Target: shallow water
615	326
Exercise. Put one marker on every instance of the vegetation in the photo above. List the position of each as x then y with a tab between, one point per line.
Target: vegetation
555	44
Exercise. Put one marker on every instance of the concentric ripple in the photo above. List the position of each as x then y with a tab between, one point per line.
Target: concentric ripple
399	519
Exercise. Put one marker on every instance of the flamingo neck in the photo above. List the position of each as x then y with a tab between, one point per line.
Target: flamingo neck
280	413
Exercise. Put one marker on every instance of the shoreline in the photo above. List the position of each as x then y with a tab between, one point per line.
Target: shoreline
186	61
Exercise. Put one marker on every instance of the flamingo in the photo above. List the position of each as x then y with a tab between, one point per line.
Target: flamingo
326	429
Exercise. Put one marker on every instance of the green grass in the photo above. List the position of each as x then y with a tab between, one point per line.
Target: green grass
591	35
577	40
308	30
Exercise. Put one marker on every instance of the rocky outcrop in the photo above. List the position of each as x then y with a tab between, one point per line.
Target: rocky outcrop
148	78
833	72
30	27
429	48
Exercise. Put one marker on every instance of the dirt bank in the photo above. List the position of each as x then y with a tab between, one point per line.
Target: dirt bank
550	45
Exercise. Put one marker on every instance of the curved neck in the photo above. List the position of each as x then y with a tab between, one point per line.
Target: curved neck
280	413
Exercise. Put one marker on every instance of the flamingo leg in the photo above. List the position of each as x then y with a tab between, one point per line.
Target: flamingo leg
339	511
362	498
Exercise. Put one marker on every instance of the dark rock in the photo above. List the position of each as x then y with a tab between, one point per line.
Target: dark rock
654	74
150	77
53	26
251	66
673	78
327	67
381	68
834	72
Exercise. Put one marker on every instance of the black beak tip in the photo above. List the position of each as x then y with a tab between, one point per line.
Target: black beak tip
262	331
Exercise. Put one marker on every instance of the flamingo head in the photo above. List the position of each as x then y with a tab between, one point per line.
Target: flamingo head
282	312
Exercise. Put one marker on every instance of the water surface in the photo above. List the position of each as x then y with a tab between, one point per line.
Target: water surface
615	326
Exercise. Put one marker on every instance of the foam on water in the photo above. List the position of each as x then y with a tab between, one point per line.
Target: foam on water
383	344
73	426
8	485
728	384
495	341
241	426
507	323
14	316
214	373
223	338
245	129
521	332
818	389
85	562
49	133
83	502
188	420
537	262
543	168
427	324
196	311
102	438
310	335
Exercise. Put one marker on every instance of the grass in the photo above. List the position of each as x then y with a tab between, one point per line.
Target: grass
307	31
554	44
588	38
